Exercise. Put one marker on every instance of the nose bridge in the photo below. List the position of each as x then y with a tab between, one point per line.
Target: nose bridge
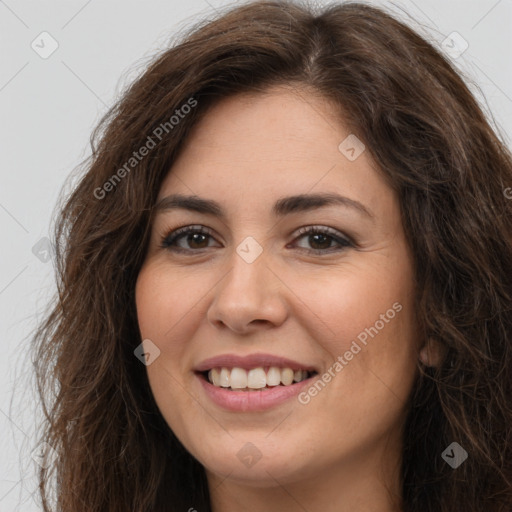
248	278
248	268
248	291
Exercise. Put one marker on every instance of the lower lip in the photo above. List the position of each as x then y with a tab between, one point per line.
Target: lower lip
243	401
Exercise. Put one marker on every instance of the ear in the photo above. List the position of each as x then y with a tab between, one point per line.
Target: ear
432	353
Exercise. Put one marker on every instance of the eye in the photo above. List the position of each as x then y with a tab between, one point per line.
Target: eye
196	236
321	239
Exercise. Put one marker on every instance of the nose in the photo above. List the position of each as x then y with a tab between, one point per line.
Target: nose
248	298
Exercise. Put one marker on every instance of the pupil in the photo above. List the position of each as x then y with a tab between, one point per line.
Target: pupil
192	238
321	236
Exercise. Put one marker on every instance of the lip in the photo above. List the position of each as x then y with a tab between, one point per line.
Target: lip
252	361
252	401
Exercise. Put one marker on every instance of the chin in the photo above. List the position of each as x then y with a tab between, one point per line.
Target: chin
256	463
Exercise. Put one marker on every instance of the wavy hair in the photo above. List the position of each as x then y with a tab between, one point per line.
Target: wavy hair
436	148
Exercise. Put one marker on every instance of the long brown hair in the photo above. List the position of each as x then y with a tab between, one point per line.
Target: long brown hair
430	139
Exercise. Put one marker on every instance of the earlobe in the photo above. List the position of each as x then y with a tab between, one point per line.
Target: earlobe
432	353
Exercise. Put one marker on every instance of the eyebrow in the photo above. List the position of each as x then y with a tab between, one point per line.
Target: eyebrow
283	206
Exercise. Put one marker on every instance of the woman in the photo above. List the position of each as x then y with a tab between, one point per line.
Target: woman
285	280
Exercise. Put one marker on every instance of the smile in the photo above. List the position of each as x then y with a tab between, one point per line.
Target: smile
256	378
252	382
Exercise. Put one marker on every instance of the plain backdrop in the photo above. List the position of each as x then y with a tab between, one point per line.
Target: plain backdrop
49	105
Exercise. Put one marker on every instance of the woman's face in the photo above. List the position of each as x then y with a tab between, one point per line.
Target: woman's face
257	292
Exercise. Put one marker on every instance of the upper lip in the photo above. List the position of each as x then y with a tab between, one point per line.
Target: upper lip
251	361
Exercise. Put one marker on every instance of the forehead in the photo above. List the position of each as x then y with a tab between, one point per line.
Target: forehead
283	142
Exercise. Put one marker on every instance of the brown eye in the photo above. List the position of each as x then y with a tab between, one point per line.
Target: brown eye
188	238
196	239
321	239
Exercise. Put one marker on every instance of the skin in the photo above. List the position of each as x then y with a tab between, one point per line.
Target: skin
342	450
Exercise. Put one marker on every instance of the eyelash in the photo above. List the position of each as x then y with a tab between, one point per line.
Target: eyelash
170	239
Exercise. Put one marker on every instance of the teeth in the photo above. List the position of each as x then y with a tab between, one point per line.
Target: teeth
286	376
256	378
214	376
238	378
273	376
224	379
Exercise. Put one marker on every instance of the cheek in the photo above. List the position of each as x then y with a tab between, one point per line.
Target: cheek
165	304
351	303
364	320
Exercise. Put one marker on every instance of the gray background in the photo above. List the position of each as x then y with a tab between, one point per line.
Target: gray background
48	108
